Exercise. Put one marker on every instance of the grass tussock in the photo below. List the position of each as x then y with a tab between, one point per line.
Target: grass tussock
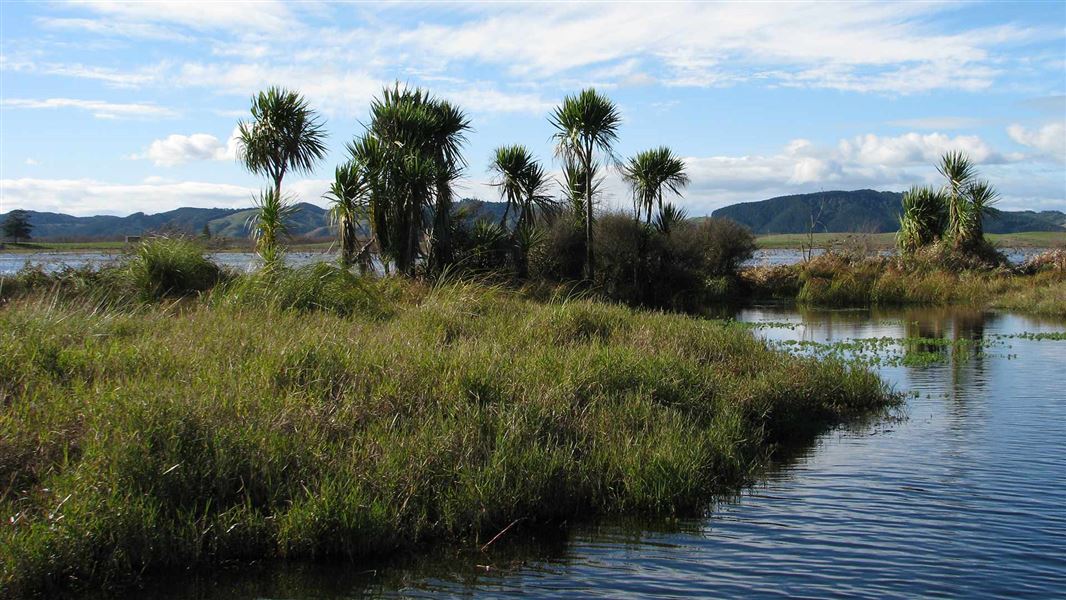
170	267
315	416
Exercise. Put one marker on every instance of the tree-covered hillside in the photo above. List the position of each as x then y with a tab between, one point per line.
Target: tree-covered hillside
308	221
865	211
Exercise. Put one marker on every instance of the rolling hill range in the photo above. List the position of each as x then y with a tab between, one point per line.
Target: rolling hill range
866	211
308	221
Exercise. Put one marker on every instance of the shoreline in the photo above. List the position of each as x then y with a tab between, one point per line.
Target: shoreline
786	241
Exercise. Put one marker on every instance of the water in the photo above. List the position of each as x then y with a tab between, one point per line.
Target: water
791	256
962	495
11	262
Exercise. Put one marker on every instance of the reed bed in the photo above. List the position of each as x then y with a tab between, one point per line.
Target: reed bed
841	280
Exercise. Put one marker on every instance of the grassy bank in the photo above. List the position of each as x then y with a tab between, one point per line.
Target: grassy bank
838	280
319	415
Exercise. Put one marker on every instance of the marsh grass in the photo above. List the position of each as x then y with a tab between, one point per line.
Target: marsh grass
316	415
838	280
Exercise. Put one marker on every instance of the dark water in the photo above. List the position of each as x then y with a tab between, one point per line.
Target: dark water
11	262
962	495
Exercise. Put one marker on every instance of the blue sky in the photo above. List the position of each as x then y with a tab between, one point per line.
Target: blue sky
113	108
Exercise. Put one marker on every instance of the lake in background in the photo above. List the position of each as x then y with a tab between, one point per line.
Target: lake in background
12	262
963	494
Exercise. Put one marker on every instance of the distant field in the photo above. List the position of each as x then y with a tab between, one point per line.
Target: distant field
1029	239
62	246
1035	239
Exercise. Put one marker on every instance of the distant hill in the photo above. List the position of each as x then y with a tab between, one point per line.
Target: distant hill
308	221
840	212
862	211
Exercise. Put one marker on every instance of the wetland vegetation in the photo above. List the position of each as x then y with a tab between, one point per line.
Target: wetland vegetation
165	413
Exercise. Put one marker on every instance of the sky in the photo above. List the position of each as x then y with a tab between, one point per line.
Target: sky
120	107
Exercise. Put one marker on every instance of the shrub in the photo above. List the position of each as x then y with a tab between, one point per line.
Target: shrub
723	244
690	264
561	253
1050	261
943	255
162	267
481	246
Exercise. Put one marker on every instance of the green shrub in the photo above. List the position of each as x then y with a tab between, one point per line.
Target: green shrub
561	254
721	244
682	269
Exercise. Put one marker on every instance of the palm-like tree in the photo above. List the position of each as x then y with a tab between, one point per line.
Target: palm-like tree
508	166
573	184
409	158
982	196
523	187
584	125
924	218
955	212
268	224
959	172
284	135
670	217
347	196
651	172
522	182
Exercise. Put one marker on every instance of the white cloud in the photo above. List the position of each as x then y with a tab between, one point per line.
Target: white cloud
938	123
263	15
32	162
99	108
130	78
864	161
1049	139
92	197
880	48
111	27
332	90
875	47
913	148
177	149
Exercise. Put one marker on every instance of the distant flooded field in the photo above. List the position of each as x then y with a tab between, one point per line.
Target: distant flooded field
51	261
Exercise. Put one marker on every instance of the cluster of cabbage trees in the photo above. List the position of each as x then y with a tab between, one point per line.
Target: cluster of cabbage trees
401	170
953	213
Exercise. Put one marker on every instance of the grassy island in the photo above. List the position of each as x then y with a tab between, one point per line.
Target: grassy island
314	414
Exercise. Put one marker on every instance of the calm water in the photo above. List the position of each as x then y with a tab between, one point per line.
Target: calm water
961	495
11	262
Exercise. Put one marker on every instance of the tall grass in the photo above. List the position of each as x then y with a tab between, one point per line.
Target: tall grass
263	423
